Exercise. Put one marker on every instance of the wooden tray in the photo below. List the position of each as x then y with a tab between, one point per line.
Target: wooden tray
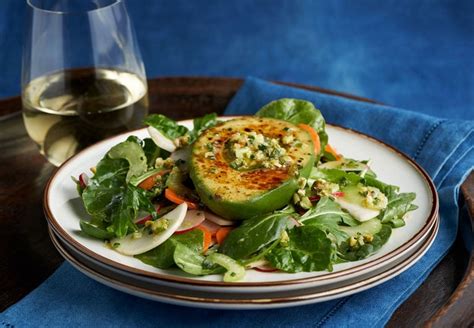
446	298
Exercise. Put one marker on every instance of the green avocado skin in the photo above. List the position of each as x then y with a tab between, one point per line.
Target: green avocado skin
264	203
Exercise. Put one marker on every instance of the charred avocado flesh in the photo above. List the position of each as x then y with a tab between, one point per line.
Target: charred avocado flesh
250	165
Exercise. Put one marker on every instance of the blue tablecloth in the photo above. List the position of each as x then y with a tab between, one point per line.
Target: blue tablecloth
443	147
412	54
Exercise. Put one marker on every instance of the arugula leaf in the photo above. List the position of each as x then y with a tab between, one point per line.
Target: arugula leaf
133	153
308	249
166	126
108	181
202	123
128	203
254	235
398	205
110	200
162	257
297	111
327	215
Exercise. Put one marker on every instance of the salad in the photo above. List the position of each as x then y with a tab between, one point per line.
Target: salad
264	192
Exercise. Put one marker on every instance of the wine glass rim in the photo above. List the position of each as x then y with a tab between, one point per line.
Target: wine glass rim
62	12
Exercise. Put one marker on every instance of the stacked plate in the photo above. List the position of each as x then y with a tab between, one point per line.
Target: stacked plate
63	209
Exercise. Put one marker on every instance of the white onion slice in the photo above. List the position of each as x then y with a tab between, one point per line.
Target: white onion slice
160	140
129	245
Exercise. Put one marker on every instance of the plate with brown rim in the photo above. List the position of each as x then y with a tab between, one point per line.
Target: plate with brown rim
233	301
63	210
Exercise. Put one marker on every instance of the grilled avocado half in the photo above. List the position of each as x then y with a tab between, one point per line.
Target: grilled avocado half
240	170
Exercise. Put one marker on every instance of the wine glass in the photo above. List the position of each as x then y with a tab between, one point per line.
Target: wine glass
83	78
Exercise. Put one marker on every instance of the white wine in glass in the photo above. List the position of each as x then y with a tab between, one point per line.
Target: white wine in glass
83	77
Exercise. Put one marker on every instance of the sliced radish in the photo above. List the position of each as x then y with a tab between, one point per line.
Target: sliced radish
314	198
295	222
265	268
218	219
192	219
262	266
129	245
211	226
160	140
338	194
83	180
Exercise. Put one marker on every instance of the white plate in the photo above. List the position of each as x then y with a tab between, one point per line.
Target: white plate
64	209
245	301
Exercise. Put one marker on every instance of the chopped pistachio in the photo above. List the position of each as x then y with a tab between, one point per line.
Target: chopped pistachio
352	242
325	188
373	197
137	235
368	238
305	203
285	239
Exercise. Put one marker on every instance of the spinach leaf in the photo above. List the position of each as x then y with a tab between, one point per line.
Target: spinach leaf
254	235
347	253
398	205
166	126
308	249
95	231
202	123
296	111
162	257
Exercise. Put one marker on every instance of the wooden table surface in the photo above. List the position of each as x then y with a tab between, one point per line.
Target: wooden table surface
446	298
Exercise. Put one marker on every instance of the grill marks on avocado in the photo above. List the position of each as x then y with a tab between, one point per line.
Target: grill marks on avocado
218	175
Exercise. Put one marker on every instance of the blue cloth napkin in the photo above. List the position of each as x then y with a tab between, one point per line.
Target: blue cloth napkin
443	147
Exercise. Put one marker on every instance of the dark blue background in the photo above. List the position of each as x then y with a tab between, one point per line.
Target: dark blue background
413	54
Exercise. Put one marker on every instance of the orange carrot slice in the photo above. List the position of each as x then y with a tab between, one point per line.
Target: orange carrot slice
177	199
314	136
332	151
222	233
150	182
207	237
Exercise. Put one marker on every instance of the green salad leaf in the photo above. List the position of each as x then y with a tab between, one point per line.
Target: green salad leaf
398	206
133	153
254	235
350	253
166	126
202	123
152	152
328	216
194	262
162	257
111	201
308	249
297	111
